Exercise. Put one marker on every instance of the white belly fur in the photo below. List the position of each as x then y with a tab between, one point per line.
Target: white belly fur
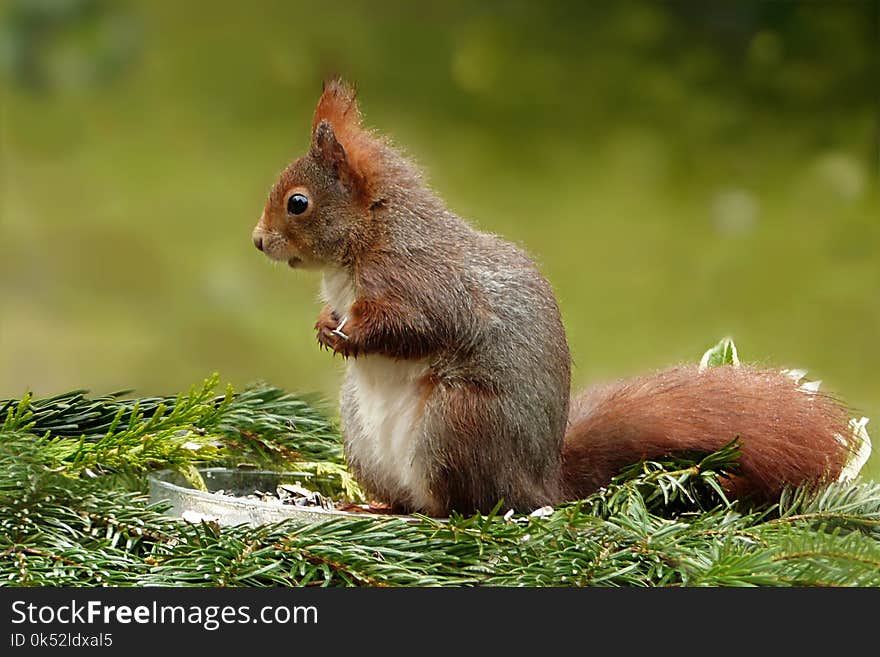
388	398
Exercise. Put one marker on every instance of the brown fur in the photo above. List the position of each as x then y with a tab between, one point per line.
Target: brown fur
378	325
788	436
338	107
462	479
492	407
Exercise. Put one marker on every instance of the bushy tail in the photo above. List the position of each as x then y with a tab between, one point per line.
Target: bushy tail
788	435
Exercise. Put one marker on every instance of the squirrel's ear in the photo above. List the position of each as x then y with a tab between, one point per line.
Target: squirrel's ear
326	147
327	150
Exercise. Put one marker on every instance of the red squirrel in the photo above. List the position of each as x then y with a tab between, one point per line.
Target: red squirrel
458	378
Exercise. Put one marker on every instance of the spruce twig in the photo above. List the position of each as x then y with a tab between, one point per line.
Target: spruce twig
660	523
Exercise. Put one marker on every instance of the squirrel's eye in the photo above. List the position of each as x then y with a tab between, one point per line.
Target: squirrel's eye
297	204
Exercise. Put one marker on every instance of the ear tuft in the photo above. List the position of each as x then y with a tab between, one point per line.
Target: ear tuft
340	141
338	106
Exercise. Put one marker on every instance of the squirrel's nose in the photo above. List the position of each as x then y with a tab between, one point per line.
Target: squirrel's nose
258	242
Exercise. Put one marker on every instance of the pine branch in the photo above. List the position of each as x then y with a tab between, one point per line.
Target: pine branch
661	523
838	505
92	436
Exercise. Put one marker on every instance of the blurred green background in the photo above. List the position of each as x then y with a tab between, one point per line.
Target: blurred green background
681	170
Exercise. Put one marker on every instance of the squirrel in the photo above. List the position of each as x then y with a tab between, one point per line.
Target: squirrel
457	390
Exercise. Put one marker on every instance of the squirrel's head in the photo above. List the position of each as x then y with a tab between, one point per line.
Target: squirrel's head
320	206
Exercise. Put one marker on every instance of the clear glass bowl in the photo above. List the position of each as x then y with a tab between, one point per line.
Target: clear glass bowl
170	487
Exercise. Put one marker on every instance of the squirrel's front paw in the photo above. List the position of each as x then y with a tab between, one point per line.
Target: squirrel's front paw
332	333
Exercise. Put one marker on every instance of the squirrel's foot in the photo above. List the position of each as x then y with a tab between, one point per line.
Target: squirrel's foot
330	335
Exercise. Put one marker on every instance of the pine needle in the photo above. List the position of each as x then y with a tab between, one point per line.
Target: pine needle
72	512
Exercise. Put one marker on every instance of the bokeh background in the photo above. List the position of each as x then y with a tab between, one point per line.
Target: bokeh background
681	170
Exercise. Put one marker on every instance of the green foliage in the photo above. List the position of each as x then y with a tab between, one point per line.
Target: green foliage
690	482
723	353
260	426
663	523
